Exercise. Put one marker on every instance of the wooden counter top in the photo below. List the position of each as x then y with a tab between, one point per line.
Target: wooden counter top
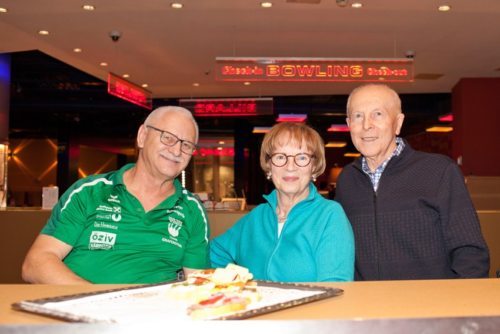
360	301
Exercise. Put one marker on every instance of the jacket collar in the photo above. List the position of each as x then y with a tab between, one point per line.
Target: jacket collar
272	198
407	150
169	202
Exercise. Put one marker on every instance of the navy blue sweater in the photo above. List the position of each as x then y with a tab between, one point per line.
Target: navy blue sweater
420	224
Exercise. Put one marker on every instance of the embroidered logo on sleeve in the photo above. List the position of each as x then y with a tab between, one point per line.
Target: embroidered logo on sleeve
173	229
102	240
174	226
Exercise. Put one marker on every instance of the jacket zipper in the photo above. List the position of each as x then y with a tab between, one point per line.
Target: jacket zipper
377	254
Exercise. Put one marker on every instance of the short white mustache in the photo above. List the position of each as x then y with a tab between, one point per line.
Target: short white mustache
169	156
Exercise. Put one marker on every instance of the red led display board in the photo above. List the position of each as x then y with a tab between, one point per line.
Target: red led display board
129	91
221	152
314	69
228	107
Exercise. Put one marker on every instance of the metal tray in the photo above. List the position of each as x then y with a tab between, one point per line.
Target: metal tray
151	303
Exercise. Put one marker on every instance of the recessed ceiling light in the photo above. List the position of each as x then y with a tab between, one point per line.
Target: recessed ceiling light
444	8
356	5
3	10
221	142
43	32
145	85
126	75
176	5
266	4
352	155
196	84
77	50
88	7
247	83
103	64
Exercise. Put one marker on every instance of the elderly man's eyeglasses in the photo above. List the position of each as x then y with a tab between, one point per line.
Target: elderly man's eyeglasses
300	159
169	139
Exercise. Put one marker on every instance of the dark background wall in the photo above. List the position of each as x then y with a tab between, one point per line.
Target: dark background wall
476	135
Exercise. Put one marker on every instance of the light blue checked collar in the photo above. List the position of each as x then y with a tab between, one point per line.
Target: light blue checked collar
377	174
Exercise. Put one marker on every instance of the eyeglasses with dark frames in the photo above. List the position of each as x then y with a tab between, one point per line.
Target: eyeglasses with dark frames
300	159
169	139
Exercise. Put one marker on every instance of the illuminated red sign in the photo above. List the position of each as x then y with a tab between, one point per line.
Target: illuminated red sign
221	152
228	107
446	118
130	92
314	69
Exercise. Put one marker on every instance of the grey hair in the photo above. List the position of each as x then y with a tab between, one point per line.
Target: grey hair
395	101
158	112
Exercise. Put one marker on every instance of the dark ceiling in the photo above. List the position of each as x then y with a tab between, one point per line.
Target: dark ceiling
50	99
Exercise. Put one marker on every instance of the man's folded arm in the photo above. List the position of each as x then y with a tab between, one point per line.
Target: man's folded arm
44	263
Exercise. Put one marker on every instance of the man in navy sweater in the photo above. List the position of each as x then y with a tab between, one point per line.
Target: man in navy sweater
410	211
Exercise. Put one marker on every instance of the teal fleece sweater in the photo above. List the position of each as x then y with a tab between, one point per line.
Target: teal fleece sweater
316	243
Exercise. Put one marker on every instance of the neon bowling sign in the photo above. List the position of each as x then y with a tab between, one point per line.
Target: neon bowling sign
314	69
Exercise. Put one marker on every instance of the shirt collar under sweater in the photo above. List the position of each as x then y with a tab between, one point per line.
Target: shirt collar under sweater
377	174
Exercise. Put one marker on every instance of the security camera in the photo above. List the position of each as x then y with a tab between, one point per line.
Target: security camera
115	35
410	54
341	3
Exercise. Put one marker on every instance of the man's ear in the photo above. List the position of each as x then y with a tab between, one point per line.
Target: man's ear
399	122
141	136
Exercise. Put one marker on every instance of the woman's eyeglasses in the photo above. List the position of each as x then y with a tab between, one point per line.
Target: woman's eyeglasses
300	159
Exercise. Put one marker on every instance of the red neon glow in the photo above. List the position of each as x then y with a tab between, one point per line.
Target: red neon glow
129	92
315	69
223	152
446	118
244	108
229	107
338	128
291	118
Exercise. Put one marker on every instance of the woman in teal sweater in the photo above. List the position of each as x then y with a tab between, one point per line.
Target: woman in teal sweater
297	236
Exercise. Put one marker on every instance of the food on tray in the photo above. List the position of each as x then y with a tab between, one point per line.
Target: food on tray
217	305
216	292
232	274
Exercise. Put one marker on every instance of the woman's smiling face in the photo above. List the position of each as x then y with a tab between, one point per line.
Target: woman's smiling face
291	179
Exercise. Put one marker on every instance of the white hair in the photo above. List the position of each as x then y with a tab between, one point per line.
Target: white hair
395	101
158	112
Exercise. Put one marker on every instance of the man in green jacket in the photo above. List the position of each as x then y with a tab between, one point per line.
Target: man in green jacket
133	225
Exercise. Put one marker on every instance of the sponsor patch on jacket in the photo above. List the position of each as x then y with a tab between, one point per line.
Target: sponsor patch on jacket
102	240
